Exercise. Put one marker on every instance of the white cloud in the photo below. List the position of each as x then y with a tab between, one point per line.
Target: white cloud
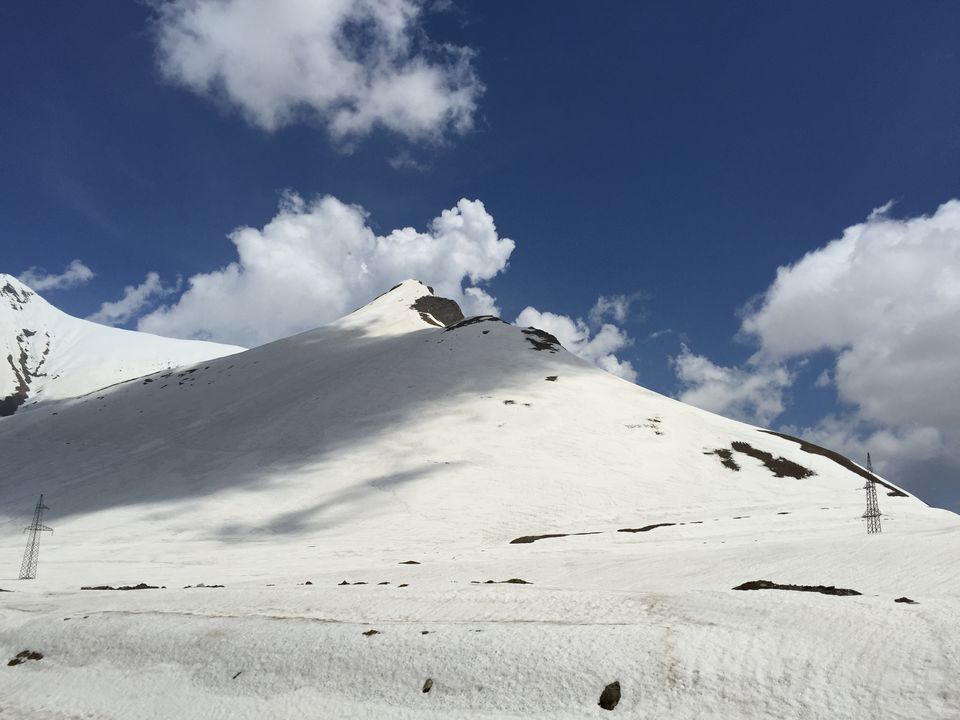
314	262
883	301
76	273
753	394
351	65
597	342
135	299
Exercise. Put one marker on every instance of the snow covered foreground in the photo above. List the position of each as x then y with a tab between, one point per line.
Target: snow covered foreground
343	453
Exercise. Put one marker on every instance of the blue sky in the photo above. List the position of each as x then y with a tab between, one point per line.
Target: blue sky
669	157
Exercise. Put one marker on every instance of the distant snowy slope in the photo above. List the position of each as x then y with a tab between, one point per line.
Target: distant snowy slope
46	354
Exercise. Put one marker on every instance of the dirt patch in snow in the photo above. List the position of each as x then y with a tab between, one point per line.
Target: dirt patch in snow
139	586
473	321
779	466
541	340
511	581
823	589
371	633
533	538
840	460
726	458
646	528
23	656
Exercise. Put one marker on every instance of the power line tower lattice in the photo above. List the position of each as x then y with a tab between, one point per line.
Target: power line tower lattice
872	513
28	570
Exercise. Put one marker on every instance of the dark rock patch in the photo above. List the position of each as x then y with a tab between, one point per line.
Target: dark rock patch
201	585
403	585
473	321
427	685
646	528
783	513
906	600
551	378
385	582
533	538
236	676
610	696
139	586
424	632
509	402
341	584
22	657
840	460
443	311
779	466
2	590
768	585
409	562
726	458
511	581
541	340
371	633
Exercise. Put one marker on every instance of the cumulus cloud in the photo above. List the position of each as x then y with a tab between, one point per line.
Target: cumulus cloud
350	65
315	261
76	273
135	299
883	302
751	394
595	341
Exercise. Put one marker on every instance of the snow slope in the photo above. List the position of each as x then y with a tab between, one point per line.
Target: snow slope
46	354
341	454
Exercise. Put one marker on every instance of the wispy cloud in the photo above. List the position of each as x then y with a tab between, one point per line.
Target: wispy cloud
76	273
135	299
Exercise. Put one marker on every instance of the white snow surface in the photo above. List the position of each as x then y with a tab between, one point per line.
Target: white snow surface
339	454
54	356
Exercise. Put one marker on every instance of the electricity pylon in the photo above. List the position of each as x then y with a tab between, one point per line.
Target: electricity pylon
872	513
28	569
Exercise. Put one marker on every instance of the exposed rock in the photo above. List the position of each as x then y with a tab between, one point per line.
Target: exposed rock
427	685
139	586
906	600
840	460
23	656
646	528
371	633
533	538
445	311
610	696
768	585
779	466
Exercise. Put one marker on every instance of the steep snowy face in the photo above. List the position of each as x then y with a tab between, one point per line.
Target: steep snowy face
46	354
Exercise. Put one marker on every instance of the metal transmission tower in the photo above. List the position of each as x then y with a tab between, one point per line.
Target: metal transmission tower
28	570
872	513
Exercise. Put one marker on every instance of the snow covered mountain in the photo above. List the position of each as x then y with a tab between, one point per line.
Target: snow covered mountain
406	495
49	355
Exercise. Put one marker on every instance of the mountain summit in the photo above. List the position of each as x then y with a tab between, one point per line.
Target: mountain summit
406	495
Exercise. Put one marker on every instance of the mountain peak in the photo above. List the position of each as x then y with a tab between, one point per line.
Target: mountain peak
406	307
